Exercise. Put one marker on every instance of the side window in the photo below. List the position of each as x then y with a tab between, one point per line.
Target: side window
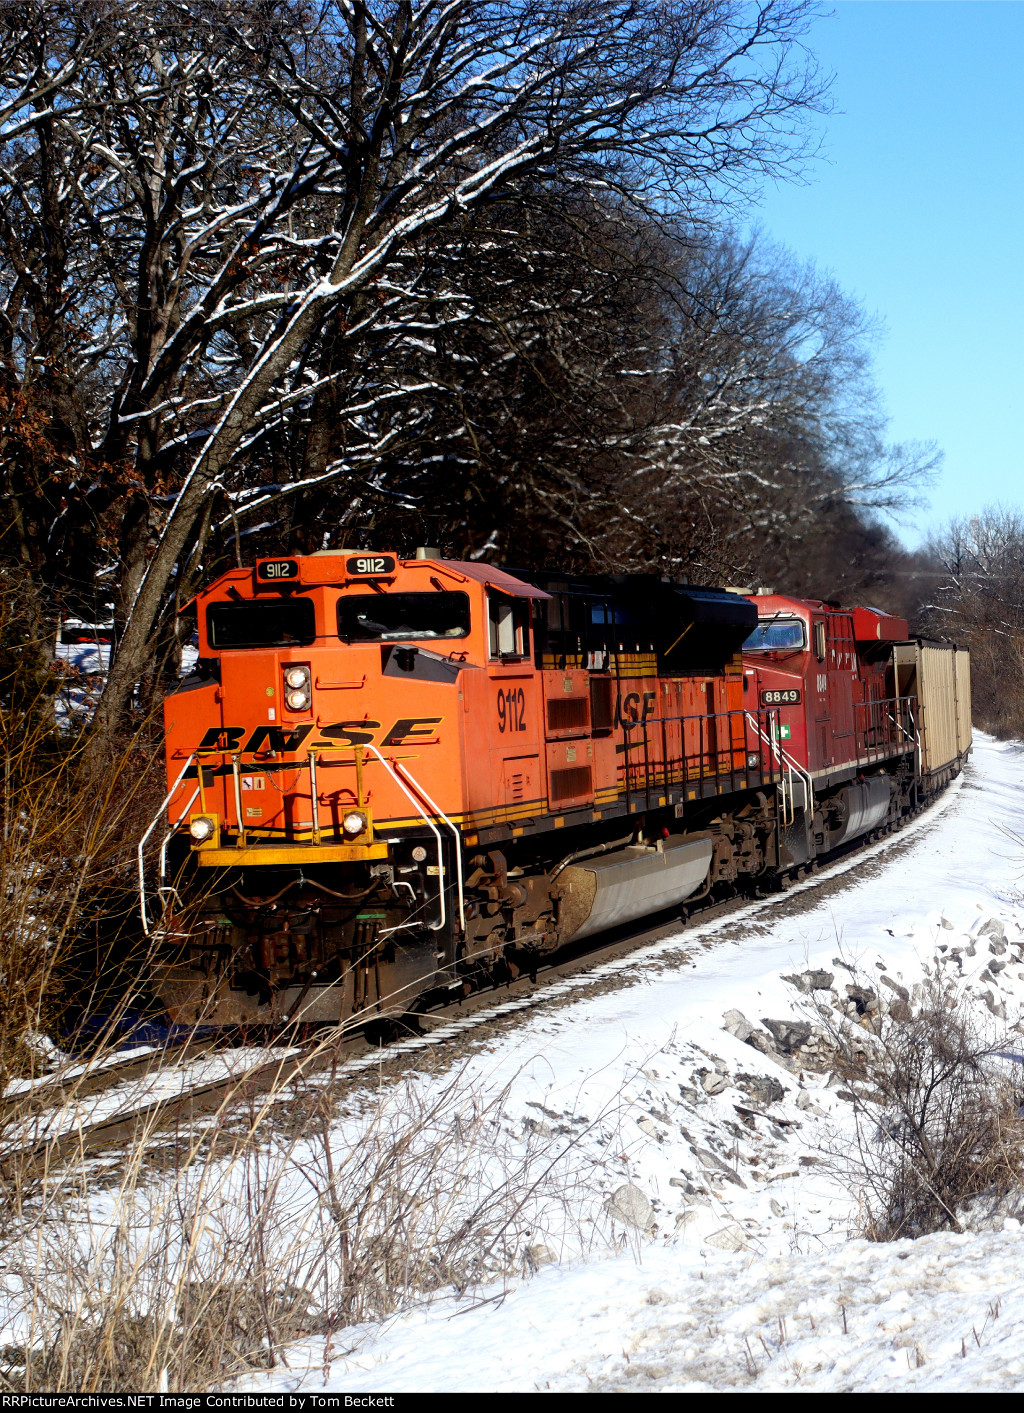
819	640
509	625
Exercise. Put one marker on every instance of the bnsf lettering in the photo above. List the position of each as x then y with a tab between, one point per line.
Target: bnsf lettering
222	738
628	708
348	733
411	729
273	738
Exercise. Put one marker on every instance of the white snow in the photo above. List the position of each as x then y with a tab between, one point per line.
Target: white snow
754	1273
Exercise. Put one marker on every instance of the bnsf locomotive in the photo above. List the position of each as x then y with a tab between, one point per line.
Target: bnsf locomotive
393	779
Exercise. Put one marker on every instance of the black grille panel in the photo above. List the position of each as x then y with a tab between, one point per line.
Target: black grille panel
571	784
568	713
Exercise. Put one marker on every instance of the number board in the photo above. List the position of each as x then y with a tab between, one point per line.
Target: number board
278	569
370	564
781	696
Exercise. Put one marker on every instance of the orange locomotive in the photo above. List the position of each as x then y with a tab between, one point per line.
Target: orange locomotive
392	778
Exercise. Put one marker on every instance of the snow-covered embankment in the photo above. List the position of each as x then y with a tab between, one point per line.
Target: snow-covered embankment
735	1258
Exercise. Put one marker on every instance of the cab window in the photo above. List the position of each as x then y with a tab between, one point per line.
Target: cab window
509	626
776	635
267	623
385	618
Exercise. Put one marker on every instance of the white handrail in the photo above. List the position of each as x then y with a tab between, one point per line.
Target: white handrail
785	758
788	806
152	826
458	838
434	927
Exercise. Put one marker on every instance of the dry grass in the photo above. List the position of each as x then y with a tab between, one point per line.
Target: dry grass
68	827
186	1275
937	1110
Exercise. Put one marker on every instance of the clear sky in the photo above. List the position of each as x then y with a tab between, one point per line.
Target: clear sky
918	210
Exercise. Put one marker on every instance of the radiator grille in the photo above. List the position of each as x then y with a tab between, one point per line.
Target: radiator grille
568	713
572	783
602	703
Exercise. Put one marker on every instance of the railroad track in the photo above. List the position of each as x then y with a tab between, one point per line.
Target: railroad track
80	1080
347	1055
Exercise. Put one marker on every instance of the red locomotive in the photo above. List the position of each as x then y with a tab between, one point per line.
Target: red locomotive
391	778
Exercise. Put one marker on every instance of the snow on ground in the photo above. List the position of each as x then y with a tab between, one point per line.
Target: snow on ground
746	1268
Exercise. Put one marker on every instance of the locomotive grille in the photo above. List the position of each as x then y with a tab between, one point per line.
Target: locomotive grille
569	784
516	786
602	703
568	713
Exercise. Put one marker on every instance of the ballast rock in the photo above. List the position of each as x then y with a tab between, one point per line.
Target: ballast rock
537	1256
731	1237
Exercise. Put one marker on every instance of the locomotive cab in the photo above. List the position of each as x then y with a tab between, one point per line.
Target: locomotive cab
843	734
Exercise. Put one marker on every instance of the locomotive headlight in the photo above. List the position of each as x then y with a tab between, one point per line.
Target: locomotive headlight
354	823
297	691
752	760
201	828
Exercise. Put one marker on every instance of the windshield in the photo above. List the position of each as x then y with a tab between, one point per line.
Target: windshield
382	618
776	635
270	623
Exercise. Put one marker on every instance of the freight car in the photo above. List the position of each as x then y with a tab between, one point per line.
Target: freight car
394	779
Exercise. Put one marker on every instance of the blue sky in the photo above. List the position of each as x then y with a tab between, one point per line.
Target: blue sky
918	210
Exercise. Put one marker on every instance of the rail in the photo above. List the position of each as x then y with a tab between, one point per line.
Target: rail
881	726
696	749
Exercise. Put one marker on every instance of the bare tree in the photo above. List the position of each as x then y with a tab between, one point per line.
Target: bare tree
978	600
768	410
244	192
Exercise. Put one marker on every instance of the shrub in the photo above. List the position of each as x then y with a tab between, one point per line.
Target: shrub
937	1115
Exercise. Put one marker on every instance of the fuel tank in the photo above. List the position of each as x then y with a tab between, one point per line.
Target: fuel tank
599	893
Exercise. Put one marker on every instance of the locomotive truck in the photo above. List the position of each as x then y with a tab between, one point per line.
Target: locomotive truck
395	779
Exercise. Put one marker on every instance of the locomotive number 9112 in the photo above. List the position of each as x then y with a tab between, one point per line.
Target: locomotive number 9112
512	710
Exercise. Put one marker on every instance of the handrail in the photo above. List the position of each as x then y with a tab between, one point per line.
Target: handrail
153	824
430	824
788	814
458	838
783	756
314	790
236	779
